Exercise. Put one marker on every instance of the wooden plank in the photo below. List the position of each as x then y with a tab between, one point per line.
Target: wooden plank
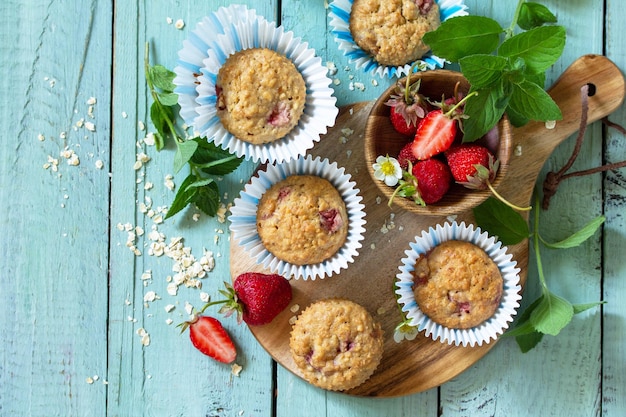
168	377
53	291
613	399
562	375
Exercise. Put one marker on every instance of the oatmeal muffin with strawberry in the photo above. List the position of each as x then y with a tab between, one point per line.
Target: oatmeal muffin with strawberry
302	220
260	95
336	344
392	30
457	285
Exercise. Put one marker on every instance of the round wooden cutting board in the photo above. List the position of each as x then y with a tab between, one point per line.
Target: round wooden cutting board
414	366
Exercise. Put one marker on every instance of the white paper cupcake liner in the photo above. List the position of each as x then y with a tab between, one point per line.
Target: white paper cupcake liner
320	110
340	23
243	217
509	303
195	51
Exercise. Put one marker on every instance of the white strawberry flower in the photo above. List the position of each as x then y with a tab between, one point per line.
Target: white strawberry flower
404	330
387	169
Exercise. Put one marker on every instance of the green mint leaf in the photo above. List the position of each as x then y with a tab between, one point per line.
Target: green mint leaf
159	116
159	142
580	236
515	118
214	160
526	336
484	111
464	35
527	342
184	196
534	15
184	152
482	70
168	99
540	47
162	78
579	308
552	314
207	198
500	220
531	101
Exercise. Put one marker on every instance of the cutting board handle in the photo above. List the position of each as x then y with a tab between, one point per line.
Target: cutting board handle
606	94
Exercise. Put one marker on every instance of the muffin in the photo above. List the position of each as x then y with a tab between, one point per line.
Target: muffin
457	284
260	95
336	344
392	30
302	220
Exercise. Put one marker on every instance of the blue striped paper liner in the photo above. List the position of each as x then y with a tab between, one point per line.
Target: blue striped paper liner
340	23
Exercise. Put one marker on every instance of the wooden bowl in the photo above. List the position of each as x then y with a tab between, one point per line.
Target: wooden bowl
382	139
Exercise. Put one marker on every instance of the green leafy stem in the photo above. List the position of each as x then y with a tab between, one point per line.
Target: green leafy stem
508	70
206	161
549	313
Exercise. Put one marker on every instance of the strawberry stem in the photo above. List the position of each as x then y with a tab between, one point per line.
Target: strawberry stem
407	96
460	103
505	201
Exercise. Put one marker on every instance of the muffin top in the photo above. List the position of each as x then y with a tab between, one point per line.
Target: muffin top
260	95
457	285
302	220
392	30
336	344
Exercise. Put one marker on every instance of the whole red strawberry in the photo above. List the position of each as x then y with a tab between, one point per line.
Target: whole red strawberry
408	106
433	179
209	336
403	125
257	298
472	165
406	156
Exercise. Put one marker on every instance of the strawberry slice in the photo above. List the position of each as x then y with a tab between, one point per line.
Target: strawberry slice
437	130
435	134
209	336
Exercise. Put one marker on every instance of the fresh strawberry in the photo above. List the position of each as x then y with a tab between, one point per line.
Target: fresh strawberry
436	132
401	124
209	336
433	179
406	155
260	297
472	165
408	106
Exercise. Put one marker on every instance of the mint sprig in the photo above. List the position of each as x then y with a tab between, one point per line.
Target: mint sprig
205	160
505	68
549	313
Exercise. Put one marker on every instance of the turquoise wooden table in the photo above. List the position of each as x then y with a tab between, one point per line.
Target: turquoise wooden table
88	308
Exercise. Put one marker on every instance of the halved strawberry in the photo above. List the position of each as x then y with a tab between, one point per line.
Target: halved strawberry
435	134
209	336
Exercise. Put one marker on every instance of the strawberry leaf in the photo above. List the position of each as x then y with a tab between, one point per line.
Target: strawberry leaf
464	35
